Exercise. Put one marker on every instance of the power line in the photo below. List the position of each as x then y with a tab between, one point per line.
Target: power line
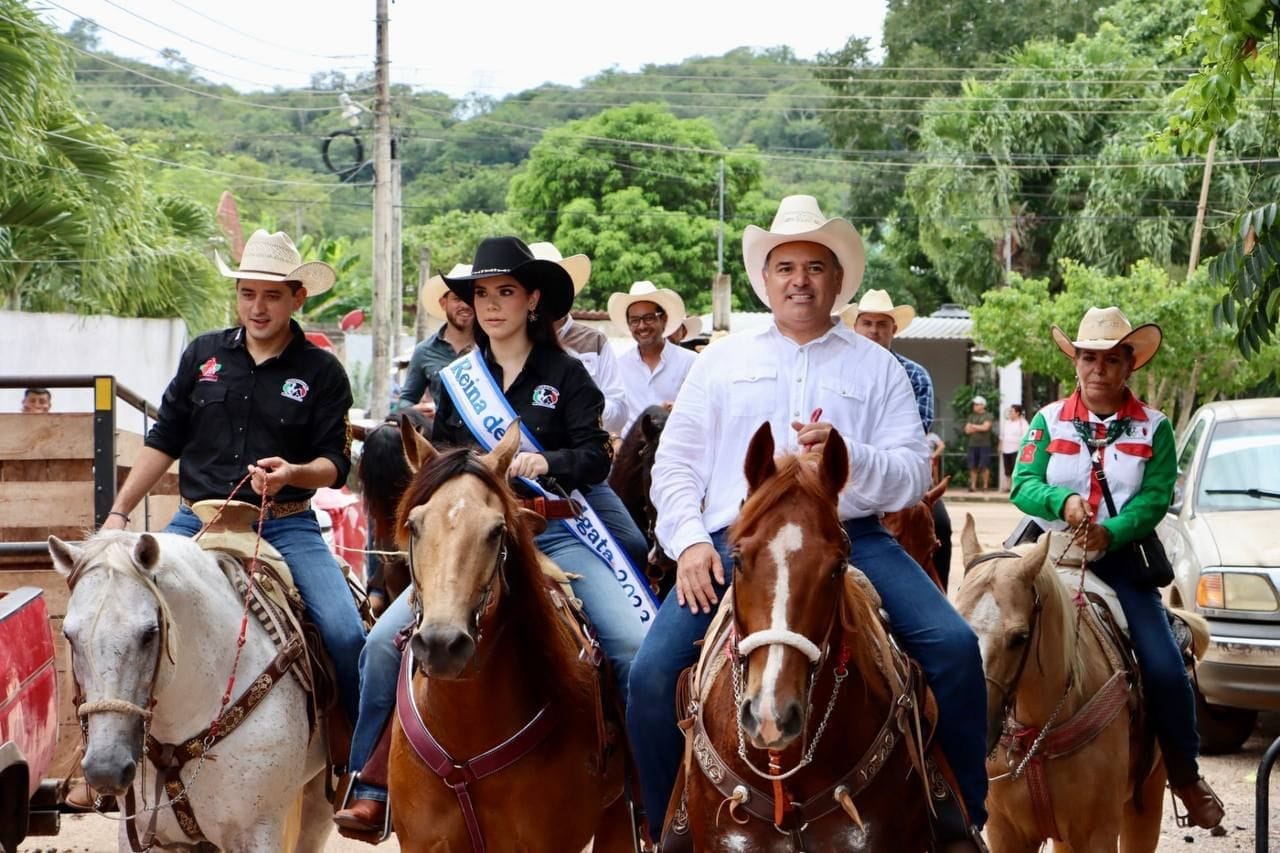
261	40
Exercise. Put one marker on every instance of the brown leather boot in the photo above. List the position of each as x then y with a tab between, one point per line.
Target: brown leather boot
363	820
1204	809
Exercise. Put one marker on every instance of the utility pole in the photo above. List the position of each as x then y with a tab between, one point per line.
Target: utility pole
720	236
379	397
1198	231
420	316
397	255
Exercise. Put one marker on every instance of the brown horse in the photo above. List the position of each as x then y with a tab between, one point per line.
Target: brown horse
631	478
783	755
914	529
1046	659
496	677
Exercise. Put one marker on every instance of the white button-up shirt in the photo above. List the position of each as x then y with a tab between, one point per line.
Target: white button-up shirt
602	366
647	387
744	380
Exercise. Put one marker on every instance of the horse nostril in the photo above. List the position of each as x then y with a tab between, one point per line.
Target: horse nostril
127	773
460	645
418	646
792	720
445	649
750	723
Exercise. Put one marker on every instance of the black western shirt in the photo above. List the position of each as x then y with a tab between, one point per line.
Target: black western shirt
560	404
221	413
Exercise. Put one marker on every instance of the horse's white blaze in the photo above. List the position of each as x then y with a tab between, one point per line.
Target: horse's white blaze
785	542
985	621
456	509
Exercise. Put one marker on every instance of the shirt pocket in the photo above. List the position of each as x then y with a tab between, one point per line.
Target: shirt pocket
207	394
753	392
837	395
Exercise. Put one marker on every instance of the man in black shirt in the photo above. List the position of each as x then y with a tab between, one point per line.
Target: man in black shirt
261	400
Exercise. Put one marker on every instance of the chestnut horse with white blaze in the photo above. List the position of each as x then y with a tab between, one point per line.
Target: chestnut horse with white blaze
500	741
784	755
1069	760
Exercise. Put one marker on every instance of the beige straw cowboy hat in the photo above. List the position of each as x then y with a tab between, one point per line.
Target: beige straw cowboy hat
273	257
799	219
1102	329
692	326
878	302
429	297
578	266
646	291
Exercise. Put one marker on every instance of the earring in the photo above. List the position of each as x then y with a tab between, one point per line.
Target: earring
533	316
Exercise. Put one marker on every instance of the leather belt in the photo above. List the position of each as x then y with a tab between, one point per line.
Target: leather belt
552	508
279	509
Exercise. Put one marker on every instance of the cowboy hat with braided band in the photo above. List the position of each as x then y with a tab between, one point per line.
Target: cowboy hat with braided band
435	289
1102	329
878	302
509	256
273	257
646	291
577	266
800	220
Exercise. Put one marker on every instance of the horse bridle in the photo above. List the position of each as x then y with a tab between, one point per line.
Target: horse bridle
497	578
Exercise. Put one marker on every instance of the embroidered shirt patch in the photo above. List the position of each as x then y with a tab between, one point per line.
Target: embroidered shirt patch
209	370
546	396
1028	453
295	389
1035	435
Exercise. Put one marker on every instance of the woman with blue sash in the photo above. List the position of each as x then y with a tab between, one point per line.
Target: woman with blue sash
518	360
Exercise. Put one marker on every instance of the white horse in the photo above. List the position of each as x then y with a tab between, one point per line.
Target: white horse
152	623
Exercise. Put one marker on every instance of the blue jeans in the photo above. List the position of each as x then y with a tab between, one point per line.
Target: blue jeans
1169	698
925	623
613	512
608	606
323	588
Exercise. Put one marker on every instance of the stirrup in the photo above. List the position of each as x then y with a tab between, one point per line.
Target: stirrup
1182	819
386	815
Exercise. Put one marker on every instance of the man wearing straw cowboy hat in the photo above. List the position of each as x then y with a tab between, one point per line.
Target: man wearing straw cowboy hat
451	340
807	375
877	319
687	331
260	399
654	370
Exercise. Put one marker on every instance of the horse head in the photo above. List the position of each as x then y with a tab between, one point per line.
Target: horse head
462	523
1009	600
119	631
790	553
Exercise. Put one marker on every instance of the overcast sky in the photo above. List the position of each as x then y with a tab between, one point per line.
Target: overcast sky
492	48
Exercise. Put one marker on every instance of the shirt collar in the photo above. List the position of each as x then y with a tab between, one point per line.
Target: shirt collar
235	338
838	330
1074	408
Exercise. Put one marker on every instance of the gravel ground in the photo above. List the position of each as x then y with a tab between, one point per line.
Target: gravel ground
1233	776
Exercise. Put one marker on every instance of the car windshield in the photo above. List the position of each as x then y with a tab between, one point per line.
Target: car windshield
1242	466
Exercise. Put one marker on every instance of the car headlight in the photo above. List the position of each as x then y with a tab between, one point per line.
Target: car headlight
1236	591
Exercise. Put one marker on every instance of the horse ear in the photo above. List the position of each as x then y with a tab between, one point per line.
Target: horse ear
417	450
759	465
532	520
835	462
647	427
65	556
499	459
1034	560
970	550
931	496
147	552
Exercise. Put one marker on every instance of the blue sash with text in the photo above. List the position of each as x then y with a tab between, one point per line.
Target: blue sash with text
488	415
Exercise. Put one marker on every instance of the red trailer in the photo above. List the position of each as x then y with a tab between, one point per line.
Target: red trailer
28	710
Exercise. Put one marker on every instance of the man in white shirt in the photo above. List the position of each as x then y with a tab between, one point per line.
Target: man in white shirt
804	374
654	370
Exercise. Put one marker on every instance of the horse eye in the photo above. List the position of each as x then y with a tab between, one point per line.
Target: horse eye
1019	639
496	533
148	634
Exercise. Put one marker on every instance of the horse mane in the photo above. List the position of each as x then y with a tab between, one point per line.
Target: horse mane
858	613
548	642
630	458
1057	603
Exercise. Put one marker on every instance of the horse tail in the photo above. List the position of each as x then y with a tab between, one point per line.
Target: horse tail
1199	631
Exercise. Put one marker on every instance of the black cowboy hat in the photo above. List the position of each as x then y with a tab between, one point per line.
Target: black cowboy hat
510	256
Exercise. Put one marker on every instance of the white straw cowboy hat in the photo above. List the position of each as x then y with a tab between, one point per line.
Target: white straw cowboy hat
692	326
429	297
577	266
646	291
1102	329
273	257
878	302
799	219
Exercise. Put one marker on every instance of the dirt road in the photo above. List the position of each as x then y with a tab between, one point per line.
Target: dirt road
1233	776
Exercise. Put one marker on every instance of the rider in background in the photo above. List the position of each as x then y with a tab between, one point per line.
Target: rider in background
802	364
1054	480
654	369
516	297
455	336
261	399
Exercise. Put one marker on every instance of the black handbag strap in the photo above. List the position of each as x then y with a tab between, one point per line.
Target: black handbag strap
1101	477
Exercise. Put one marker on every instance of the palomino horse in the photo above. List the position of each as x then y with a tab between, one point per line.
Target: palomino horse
631	478
152	624
384	475
500	741
1059	708
780	757
914	529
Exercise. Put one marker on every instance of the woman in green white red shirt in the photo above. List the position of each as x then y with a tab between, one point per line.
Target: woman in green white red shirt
1054	480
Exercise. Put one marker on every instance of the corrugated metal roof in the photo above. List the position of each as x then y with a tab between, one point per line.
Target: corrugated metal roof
938	329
